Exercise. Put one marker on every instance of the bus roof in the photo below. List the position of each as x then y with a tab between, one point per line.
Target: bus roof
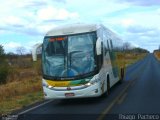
73	29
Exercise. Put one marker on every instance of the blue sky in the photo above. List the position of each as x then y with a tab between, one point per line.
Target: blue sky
24	23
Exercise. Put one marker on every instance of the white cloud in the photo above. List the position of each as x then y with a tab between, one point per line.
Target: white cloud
158	11
147	38
13	20
94	10
45	28
127	22
134	44
52	13
120	21
140	27
32	17
147	19
12	45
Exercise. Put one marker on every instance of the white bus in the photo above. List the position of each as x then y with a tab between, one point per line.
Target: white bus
82	60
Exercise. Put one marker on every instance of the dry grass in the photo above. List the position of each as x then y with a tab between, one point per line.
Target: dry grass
23	87
157	55
18	102
18	94
131	58
127	59
17	88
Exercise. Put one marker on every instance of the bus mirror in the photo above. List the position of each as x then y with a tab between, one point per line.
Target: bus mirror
98	47
34	51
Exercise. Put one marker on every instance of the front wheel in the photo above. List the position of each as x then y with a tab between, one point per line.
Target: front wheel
122	75
108	85
107	92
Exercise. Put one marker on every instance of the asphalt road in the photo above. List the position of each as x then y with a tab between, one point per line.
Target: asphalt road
144	94
139	93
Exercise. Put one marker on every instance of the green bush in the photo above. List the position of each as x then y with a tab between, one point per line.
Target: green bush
4	69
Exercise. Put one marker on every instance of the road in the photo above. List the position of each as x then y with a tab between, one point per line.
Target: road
139	93
144	95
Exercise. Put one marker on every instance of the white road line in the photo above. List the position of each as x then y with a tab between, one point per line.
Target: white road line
35	107
122	98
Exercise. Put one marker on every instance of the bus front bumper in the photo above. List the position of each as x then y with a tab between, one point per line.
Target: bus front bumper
89	91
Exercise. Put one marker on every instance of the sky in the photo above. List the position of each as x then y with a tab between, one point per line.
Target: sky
23	23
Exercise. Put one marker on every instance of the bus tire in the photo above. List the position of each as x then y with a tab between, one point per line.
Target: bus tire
108	85
106	93
122	75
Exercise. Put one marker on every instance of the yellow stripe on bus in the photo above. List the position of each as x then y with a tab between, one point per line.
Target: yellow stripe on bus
58	83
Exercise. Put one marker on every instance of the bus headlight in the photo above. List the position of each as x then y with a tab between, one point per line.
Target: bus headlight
45	84
49	86
92	82
88	84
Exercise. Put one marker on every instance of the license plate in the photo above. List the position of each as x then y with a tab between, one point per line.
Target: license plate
69	94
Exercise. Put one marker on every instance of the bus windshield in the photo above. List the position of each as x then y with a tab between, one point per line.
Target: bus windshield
69	56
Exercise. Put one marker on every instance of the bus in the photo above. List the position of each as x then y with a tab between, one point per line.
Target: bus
81	60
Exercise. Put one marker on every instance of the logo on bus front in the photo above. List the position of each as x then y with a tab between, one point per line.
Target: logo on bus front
68	88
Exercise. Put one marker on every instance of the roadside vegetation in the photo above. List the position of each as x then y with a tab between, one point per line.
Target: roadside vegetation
133	55
130	56
20	78
20	81
157	54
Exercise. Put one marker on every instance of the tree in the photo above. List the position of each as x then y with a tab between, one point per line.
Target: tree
21	61
1	51
20	50
2	54
3	66
126	46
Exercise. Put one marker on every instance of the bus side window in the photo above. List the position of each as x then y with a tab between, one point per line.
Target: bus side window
100	57
105	50
111	44
105	45
108	45
102	49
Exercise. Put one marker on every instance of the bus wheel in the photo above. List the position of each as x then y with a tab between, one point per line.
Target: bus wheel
106	93
122	75
108	85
